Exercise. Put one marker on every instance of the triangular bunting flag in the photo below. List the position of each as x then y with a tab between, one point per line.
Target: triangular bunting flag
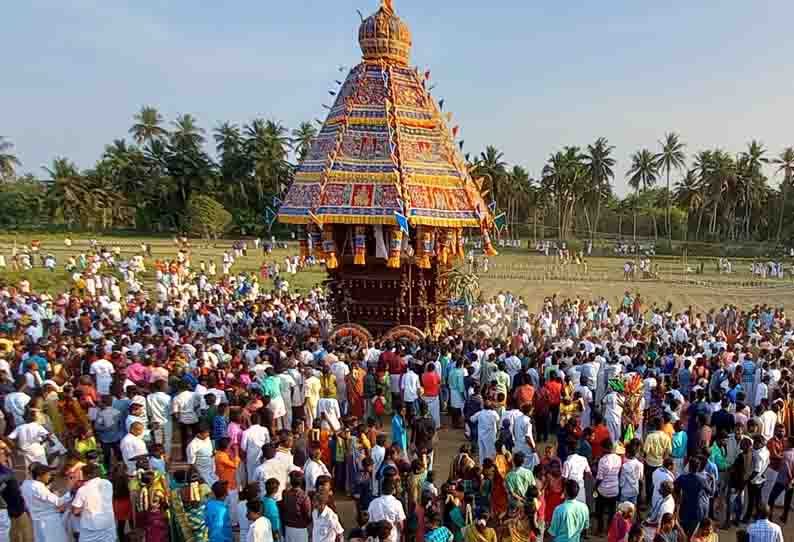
427	74
500	221
448	116
441	104
460	144
455	131
332	93
277	202
402	221
492	206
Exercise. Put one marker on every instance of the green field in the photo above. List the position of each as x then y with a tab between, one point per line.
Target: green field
524	273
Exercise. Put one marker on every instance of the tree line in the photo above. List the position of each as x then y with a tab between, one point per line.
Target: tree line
711	195
147	183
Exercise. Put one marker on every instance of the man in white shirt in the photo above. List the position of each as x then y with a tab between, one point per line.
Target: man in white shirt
251	444
15	402
325	522
487	421
158	405
260	529
32	440
608	484
133	446
184	409
340	370
387	507
200	454
103	371
44	506
93	502
410	390
314	468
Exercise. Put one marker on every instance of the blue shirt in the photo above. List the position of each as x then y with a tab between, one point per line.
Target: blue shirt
219	524
679	444
398	434
41	364
271	513
569	520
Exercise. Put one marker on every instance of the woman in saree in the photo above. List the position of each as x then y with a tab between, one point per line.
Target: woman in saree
355	390
188	500
479	530
416	480
384	387
523	527
454	514
496	494
461	463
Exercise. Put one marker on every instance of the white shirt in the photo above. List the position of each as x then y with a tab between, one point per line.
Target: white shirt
410	385
313	470
574	468
29	433
159	405
132	446
103	370
390	509
660	475
259	531
608	473
184	406
326	526
39	500
251	443
630	478
95	499
768	421
200	454
15	404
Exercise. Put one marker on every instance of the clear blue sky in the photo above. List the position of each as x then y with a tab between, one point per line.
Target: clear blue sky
526	76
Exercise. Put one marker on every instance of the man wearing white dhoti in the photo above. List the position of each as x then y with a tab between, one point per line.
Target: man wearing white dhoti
93	502
44	506
487	421
251	444
201	455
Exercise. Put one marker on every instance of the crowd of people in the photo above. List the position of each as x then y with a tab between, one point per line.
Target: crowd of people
217	412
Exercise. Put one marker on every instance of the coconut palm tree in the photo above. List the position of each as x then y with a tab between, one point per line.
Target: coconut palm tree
689	194
236	166
68	194
148	125
302	138
642	175
8	160
785	163
599	163
564	180
755	157
671	157
493	168
187	132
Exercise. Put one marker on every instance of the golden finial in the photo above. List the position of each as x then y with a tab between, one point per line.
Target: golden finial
386	5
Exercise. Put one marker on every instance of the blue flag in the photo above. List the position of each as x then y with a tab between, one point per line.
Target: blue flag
492	206
402	221
277	202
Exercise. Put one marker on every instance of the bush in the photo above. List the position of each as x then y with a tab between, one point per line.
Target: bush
206	217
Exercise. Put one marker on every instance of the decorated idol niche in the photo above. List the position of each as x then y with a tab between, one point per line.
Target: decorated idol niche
383	193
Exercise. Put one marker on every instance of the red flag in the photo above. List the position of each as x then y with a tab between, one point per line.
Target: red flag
427	74
455	131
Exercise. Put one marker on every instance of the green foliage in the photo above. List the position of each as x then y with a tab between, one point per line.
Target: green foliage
206	217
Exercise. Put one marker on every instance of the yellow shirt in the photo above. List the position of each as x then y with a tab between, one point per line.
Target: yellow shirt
328	386
658	445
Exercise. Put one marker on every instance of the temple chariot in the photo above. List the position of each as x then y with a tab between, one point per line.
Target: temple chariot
384	195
